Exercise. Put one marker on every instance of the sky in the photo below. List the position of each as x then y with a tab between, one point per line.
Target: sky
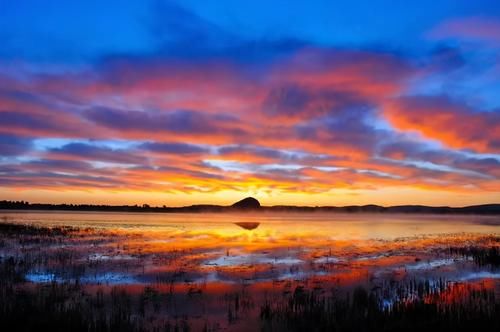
292	102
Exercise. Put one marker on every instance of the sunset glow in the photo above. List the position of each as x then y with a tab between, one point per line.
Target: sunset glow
176	103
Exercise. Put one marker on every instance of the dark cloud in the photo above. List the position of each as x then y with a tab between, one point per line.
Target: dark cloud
183	34
252	150
50	180
34	122
11	145
33	113
446	58
176	28
294	100
415	151
174	148
487	166
54	165
85	151
348	132
179	121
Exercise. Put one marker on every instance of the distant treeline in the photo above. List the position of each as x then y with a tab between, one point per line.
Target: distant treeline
492	209
22	205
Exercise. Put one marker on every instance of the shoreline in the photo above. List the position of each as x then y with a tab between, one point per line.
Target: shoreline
486	209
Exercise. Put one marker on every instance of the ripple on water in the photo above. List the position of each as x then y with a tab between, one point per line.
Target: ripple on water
101	278
252	259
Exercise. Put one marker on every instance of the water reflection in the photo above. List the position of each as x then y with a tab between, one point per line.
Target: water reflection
199	258
277	225
231	247
248	225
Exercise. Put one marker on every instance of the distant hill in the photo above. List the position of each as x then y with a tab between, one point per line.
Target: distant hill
252	204
248	203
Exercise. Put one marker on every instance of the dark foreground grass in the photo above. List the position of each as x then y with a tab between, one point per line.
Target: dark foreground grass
481	256
472	310
68	307
403	306
11	229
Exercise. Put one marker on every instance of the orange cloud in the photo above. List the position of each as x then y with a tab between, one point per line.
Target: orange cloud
439	118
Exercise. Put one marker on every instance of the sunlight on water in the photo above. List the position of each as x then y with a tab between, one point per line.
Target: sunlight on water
228	247
279	225
198	259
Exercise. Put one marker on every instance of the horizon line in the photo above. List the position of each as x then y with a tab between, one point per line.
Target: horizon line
147	205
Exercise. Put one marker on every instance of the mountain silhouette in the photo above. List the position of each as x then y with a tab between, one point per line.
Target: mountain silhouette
248	203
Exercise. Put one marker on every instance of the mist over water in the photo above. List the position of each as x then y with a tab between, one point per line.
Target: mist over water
320	225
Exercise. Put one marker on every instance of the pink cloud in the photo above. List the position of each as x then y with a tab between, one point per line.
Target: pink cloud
473	28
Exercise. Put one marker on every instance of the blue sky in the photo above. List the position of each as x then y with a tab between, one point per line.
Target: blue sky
60	31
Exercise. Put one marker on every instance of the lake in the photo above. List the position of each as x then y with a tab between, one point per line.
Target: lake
198	260
330	225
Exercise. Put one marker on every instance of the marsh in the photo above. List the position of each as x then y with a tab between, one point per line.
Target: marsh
206	271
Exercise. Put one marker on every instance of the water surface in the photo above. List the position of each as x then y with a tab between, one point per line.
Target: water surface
198	262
